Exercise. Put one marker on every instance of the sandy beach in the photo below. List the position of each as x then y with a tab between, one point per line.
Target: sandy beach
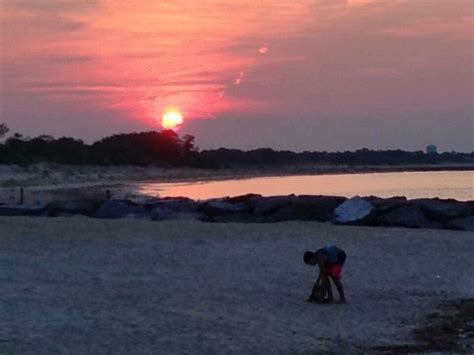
78	285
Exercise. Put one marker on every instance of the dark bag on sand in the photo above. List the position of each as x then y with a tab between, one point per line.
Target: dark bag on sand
318	294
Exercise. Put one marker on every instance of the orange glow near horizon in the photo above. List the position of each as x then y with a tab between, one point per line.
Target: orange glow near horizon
172	119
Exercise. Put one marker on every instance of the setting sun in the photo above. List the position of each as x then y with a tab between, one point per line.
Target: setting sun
171	119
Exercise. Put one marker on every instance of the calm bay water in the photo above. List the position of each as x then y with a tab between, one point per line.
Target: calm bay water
443	184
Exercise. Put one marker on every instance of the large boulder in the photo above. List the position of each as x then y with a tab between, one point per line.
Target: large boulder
112	209
443	210
249	199
237	217
219	207
464	224
164	213
354	211
307	208
384	205
73	207
175	204
268	205
408	215
23	210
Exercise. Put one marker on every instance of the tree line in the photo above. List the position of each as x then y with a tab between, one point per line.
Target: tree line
167	148
266	156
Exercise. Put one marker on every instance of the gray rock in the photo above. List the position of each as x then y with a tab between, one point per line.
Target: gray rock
249	199
267	205
408	215
73	207
306	208
113	209
442	210
219	207
384	205
178	204
162	214
237	217
353	210
23	210
464	224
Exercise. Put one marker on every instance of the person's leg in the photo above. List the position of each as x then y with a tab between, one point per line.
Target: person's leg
340	289
327	286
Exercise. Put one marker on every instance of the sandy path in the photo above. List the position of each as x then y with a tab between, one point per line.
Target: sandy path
78	285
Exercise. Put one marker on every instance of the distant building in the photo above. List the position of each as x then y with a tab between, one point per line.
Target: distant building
431	149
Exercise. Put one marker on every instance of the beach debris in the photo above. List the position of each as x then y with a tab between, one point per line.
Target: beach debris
352	210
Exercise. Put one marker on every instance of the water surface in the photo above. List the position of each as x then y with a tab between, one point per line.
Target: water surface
443	184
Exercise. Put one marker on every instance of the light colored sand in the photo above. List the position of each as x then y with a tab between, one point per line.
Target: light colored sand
83	286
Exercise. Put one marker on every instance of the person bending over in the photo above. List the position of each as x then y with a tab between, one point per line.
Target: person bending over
330	260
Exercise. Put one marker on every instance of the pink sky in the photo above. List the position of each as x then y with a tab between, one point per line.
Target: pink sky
300	75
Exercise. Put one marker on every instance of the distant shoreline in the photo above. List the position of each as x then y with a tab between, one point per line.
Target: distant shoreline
57	176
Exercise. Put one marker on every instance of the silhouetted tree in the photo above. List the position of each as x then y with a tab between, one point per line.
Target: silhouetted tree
3	130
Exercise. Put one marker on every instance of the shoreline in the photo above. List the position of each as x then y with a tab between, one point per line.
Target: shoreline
69	176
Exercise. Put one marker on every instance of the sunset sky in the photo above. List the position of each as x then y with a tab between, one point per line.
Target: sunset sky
287	74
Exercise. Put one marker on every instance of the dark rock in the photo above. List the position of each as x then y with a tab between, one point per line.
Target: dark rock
304	208
178	205
384	205
19	210
250	200
442	210
470	204
113	209
237	217
464	224
219	207
73	207
408	215
354	211
162	214
265	206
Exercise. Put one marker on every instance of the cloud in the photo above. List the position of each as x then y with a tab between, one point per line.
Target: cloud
239	79
51	6
361	2
434	26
